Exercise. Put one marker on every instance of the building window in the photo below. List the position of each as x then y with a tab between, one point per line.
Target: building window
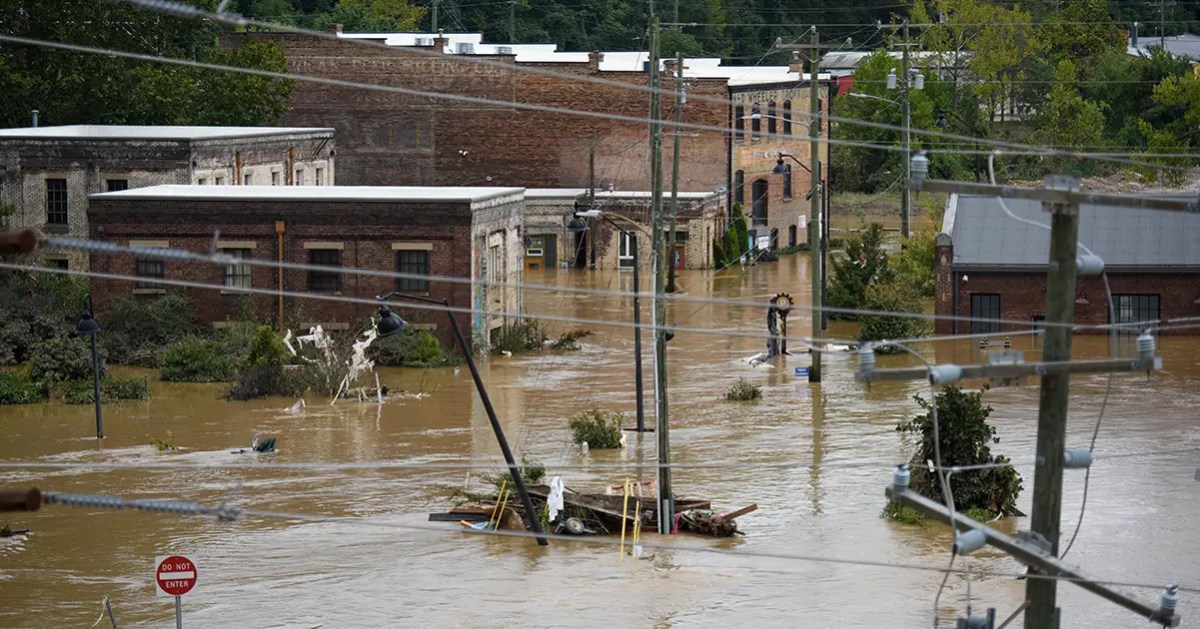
739	123
787	182
774	239
275	178
755	121
116	185
56	201
1135	308
319	175
325	281
237	275
625	250
759	202
985	306
247	179
787	117
202	181
417	263
151	268
771	114
218	181
299	180
739	187
791	235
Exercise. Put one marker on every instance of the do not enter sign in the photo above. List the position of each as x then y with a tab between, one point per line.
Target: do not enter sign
174	575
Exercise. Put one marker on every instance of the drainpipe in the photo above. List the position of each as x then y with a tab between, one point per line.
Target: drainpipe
955	278
291	172
238	160
279	231
35	117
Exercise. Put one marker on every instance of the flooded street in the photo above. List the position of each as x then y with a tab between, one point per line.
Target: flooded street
390	567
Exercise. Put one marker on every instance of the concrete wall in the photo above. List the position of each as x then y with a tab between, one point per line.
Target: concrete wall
497	255
87	165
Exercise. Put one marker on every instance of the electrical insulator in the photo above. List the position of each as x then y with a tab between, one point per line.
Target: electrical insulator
1146	345
891	79
919	82
969	542
945	374
1088	264
919	169
866	362
900	478
1170	599
1077	458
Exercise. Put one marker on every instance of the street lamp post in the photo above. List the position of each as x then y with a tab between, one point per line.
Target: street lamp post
391	323
87	325
817	251
577	224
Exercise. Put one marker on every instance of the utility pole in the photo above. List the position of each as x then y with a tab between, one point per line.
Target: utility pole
512	21
815	192
1052	406
679	101
434	13
666	502
906	195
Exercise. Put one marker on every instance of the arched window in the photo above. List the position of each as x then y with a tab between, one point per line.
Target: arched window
771	114
739	185
787	182
739	123
758	207
755	121
787	117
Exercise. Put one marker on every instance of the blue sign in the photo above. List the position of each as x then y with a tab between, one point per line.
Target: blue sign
801	371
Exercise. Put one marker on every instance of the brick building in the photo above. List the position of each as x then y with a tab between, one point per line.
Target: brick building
47	173
461	232
400	139
991	266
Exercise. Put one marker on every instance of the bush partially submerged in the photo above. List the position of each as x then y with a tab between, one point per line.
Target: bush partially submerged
599	430
903	514
410	348
570	340
111	390
965	436
162	443
62	359
17	388
743	391
263	374
522	336
137	329
196	360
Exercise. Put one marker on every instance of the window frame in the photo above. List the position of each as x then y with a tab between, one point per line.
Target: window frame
419	266
739	123
237	275
57	202
1137	304
739	188
116	185
787	182
982	312
787	117
756	123
772	127
153	268
325	281
625	250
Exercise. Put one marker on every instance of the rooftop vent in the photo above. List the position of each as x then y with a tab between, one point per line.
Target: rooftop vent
504	50
466	49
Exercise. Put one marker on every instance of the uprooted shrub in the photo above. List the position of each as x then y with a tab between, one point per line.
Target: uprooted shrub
522	336
17	388
410	348
743	391
262	372
569	341
601	431
62	359
195	360
111	390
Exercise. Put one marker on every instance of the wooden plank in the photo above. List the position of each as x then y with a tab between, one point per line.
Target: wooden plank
733	515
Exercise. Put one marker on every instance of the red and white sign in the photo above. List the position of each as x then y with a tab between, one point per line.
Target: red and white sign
174	575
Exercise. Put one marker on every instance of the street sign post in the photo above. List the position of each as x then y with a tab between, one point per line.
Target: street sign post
175	575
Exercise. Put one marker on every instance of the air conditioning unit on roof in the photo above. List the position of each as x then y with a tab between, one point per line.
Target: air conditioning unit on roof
466	49
424	41
504	50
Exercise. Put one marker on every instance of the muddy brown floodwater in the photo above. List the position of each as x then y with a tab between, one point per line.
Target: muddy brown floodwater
1141	523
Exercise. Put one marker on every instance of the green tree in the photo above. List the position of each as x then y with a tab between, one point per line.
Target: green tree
863	263
891	296
374	16
1082	29
964	438
1069	121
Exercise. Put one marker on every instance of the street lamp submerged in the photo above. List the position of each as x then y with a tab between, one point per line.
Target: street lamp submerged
89	326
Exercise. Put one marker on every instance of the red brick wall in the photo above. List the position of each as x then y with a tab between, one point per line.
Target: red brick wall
1023	295
403	139
366	229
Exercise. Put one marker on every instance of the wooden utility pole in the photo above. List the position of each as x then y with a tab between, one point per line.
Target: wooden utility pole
906	195
679	100
666	503
433	19
512	21
1052	406
814	173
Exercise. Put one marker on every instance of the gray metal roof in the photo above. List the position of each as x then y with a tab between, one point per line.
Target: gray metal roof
984	236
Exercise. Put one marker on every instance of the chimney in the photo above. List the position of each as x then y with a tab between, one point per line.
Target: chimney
797	64
594	59
669	67
35	116
334	29
441	42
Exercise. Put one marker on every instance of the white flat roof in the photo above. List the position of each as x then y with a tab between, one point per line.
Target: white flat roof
407	194
645	194
554	193
151	132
